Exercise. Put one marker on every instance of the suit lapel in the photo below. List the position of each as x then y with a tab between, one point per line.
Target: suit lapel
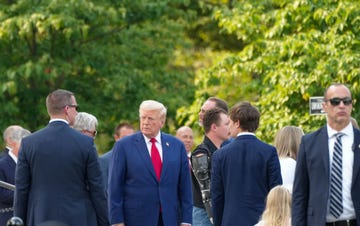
144	154
356	149
165	144
324	150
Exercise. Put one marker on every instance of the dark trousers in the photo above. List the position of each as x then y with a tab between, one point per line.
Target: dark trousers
160	221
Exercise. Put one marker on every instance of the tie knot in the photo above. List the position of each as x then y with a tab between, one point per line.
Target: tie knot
339	135
153	140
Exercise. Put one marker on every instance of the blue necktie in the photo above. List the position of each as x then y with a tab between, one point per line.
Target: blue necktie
336	206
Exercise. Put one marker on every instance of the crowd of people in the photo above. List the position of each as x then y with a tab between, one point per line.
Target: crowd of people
152	178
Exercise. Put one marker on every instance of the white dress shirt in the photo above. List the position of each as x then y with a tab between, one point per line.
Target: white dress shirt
157	144
347	169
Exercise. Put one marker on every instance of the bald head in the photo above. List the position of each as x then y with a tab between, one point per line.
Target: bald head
185	134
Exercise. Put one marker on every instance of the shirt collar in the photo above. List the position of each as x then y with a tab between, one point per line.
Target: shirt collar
58	119
348	130
13	156
245	133
157	137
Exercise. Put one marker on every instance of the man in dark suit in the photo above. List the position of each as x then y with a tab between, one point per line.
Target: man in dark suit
6	135
149	179
243	171
7	171
121	130
324	192
58	177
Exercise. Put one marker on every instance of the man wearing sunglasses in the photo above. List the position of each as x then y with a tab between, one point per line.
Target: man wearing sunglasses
58	176
326	186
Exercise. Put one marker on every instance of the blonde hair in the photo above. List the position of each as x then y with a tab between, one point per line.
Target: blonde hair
278	207
287	141
154	105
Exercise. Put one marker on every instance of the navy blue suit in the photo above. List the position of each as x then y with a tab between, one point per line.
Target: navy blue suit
135	194
58	178
243	172
7	174
312	179
104	161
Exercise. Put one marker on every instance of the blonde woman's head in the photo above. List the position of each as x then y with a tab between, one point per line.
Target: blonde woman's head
287	141
278	207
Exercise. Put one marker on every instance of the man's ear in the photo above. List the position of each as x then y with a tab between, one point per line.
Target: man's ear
237	124
213	126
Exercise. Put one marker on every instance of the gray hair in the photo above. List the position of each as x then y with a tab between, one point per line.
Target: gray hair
85	121
153	105
15	133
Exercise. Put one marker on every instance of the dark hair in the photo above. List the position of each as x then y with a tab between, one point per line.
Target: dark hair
219	103
247	115
212	116
121	125
57	100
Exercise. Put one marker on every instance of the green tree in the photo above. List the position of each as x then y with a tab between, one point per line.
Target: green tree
112	54
292	50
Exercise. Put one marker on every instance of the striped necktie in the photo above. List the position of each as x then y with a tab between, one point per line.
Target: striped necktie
336	206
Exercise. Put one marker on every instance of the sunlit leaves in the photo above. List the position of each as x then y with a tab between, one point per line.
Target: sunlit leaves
294	50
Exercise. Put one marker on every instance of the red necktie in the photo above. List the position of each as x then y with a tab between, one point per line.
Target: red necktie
155	158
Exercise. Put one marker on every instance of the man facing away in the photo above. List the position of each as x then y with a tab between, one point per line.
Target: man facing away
149	179
58	176
243	171
216	127
326	185
7	170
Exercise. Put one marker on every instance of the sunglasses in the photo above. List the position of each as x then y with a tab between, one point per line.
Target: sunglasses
336	101
73	106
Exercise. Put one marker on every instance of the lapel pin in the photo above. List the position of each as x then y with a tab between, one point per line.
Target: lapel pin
167	144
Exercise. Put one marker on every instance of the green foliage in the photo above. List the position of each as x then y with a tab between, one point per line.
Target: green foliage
293	50
115	54
112	54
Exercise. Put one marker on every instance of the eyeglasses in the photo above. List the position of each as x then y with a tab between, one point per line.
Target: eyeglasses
92	133
336	101
73	106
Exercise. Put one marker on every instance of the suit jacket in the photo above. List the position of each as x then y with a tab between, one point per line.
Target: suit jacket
58	178
312	179
243	172
104	162
4	152
136	195
7	174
